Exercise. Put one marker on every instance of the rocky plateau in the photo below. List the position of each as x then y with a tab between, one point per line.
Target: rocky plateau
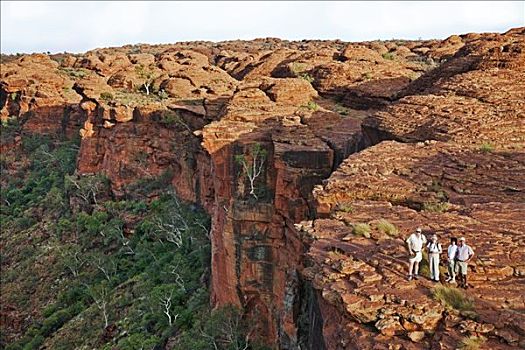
288	145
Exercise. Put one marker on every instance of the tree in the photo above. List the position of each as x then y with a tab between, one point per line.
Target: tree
178	278
86	187
106	265
172	225
170	229
101	297
146	74
73	260
126	243
165	302
253	165
163	297
221	329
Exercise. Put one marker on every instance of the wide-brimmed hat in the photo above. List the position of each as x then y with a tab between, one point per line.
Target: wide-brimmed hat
462	239
419	229
434	237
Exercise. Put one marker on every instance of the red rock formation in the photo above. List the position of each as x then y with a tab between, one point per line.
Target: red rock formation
35	90
469	184
213	107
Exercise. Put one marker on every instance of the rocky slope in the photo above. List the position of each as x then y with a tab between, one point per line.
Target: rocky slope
456	169
417	133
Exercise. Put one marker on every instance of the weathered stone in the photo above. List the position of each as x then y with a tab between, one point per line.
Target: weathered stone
451	161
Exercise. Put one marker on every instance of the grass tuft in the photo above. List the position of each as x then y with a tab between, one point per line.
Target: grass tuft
312	106
439	207
389	56
385	226
366	76
345	207
453	298
362	230
471	343
486	148
106	96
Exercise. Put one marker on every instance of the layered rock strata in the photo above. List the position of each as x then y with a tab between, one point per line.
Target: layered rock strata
249	129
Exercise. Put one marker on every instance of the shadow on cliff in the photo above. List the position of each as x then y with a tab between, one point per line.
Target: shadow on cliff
63	120
368	94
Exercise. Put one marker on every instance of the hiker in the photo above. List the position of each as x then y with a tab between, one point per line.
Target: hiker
463	256
451	254
415	243
434	251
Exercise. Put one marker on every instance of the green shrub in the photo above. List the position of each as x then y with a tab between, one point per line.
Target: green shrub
91	224
35	343
23	223
471	343
436	207
345	207
74	73
163	95
222	329
366	76
312	106
170	117
339	108
141	157
106	96
9	128
486	148
138	341
121	207
361	229
385	226
54	322
453	298
307	77
63	226
32	142
389	56
54	199
297	68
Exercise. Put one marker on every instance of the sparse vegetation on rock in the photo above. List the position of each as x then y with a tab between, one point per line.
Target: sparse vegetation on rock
453	298
361	229
389	56
388	228
471	343
396	134
253	165
486	148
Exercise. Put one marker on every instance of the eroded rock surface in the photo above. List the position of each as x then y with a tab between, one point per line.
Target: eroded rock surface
459	172
249	129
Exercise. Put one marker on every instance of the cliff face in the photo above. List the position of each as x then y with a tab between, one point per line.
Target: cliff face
248	129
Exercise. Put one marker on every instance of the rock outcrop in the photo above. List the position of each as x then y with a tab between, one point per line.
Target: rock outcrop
457	172
290	145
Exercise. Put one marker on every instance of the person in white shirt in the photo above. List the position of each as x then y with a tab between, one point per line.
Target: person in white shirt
434	251
415	243
463	256
451	255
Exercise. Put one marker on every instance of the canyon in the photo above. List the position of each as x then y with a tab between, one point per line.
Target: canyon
288	146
